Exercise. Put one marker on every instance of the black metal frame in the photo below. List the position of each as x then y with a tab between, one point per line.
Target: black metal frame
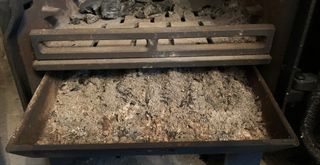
294	52
11	24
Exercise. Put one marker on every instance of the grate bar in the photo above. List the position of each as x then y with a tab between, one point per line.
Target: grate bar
68	53
166	54
152	35
202	61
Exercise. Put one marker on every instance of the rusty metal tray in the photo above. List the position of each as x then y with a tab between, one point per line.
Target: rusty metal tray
23	141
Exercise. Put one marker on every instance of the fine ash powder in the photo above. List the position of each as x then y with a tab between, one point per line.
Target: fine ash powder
212	104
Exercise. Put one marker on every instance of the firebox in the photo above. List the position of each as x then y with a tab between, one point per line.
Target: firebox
149	61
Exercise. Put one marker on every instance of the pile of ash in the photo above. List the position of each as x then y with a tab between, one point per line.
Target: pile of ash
154	105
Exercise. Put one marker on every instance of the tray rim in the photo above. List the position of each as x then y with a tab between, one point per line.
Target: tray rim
211	146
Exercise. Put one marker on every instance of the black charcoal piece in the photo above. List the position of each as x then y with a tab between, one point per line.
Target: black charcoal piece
166	5
110	9
91	18
127	7
76	19
151	9
139	14
143	1
90	6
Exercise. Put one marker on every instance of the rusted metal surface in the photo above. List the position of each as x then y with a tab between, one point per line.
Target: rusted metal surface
91	64
23	141
152	34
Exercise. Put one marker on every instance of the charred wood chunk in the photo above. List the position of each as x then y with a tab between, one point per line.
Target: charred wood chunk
143	1
127	7
90	6
91	18
140	14
165	5
110	9
151	9
76	19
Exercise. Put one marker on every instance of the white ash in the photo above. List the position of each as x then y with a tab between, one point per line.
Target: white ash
154	106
